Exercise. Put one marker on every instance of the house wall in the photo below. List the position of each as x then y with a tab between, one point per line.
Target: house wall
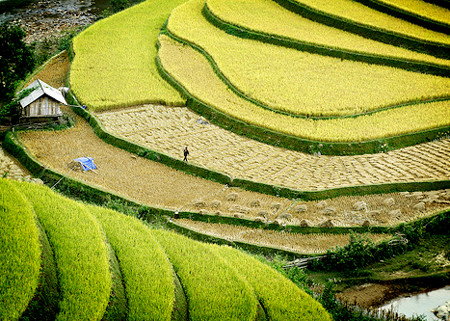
44	106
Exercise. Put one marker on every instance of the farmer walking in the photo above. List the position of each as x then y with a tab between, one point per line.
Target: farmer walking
186	153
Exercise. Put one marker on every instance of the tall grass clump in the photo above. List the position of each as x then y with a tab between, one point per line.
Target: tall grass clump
280	298
213	289
80	252
19	252
114	59
146	270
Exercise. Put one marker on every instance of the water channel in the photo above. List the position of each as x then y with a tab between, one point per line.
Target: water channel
420	304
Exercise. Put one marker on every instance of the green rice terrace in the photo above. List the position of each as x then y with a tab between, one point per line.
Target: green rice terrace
319	140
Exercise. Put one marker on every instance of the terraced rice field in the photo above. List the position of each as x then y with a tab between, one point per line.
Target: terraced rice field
271	18
168	130
191	69
294	81
151	262
11	168
359	13
155	184
299	243
102	80
421	8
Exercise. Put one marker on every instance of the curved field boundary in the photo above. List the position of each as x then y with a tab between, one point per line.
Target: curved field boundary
271	137
442	216
19	252
282	300
44	305
243	32
147	273
251	247
80	253
266	72
73	187
208	280
386	36
76	189
258	103
441	3
426	22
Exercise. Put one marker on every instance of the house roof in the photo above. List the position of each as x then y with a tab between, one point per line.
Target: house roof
41	89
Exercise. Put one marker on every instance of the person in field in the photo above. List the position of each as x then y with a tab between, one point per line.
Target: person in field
186	153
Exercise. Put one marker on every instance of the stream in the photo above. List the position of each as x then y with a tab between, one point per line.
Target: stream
420	304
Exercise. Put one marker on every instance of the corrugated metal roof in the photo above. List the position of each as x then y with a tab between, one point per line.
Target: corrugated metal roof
41	89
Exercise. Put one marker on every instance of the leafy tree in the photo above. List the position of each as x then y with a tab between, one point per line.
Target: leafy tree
16	59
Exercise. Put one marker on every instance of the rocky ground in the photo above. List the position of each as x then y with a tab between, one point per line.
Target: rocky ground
45	18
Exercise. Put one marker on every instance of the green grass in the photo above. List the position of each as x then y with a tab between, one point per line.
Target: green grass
214	290
430	256
146	270
80	252
281	299
19	252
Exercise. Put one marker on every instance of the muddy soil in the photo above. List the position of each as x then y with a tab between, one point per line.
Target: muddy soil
374	295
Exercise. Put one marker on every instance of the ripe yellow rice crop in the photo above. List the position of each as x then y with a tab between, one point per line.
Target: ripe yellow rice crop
282	299
114	59
421	8
269	17
352	10
19	252
298	82
194	72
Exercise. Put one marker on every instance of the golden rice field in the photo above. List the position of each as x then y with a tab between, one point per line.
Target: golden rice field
54	71
299	82
156	185
114	59
269	17
11	168
421	8
168	129
193	70
345	211
317	243
357	12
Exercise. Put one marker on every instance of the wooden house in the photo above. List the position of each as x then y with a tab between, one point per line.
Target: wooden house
43	102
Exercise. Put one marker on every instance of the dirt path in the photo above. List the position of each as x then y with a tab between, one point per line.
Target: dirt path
168	130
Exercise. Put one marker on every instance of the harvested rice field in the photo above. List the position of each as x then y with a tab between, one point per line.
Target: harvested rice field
118	171
157	185
54	72
169	129
11	168
293	242
346	211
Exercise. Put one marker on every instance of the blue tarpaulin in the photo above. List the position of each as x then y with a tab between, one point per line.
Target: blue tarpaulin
87	163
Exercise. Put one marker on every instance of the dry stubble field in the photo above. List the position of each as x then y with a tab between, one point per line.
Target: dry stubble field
168	129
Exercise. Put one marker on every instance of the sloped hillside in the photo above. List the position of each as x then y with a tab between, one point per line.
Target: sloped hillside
112	267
